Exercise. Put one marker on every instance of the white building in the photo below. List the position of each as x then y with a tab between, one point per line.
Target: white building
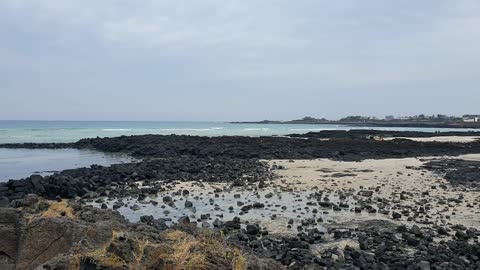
471	119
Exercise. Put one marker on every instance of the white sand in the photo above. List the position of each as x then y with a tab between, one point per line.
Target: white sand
390	177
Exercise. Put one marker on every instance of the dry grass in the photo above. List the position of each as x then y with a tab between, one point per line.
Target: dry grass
179	250
59	209
208	250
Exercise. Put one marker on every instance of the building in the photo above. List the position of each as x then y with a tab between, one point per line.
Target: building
471	118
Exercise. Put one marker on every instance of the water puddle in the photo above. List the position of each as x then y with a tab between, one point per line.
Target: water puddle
273	209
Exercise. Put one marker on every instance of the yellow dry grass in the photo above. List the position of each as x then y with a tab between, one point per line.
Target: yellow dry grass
178	251
59	209
207	250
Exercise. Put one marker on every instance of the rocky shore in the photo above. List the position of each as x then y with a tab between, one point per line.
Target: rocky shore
327	200
338	145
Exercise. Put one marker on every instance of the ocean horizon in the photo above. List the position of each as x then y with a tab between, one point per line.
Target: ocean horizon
25	131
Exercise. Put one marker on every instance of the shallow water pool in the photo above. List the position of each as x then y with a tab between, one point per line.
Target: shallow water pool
21	163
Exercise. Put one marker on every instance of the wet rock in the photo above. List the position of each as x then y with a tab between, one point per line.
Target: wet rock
258	205
188	204
396	215
252	229
424	265
117	205
184	220
135	207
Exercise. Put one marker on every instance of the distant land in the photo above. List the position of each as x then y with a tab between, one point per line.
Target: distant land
418	121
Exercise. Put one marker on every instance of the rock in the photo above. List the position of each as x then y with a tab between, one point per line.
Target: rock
396	215
123	249
461	235
238	183
258	205
188	204
365	193
11	227
45	238
135	207
147	219
184	220
117	205
411	241
252	229
442	231
217	223
298	244
424	265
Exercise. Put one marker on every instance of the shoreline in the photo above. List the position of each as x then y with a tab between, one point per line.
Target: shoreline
459	125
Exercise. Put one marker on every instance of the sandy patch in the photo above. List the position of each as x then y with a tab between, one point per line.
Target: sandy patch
400	182
459	139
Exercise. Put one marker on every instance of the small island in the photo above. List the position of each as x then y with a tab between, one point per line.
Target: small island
427	121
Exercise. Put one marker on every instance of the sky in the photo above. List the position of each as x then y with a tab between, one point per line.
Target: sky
232	60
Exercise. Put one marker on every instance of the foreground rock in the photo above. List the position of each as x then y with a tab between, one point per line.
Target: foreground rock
62	235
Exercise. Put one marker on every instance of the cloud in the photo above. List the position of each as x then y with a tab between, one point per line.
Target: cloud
224	47
154	24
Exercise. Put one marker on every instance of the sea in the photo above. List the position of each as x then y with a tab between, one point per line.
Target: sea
21	163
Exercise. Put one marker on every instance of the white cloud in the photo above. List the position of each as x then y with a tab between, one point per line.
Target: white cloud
165	23
270	44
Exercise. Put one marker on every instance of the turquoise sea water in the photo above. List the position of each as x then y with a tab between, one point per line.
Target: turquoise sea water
19	163
71	131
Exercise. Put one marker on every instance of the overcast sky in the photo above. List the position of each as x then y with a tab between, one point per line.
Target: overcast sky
237	59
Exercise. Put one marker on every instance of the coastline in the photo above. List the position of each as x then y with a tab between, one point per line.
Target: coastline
459	125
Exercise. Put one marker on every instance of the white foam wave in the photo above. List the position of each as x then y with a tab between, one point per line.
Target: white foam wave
307	129
184	129
256	129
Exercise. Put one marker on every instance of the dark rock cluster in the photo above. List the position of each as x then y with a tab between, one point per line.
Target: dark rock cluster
457	171
348	149
119	179
382	245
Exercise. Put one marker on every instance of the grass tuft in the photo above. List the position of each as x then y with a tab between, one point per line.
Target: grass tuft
207	250
59	209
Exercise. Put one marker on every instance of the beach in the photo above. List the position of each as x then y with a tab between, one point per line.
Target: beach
311	201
